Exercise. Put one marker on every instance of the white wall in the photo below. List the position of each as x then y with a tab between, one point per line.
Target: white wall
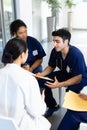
35	13
24	12
45	12
36	19
80	19
79	16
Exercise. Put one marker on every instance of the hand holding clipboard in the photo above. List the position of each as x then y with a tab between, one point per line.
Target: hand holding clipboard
41	77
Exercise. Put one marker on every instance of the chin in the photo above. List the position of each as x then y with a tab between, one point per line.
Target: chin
57	49
24	40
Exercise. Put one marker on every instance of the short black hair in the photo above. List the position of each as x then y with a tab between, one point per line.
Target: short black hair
63	33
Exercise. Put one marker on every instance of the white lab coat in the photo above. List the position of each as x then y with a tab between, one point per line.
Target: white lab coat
20	98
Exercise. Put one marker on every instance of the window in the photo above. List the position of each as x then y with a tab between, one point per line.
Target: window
6	16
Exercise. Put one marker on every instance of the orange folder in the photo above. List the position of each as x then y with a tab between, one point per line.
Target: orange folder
73	101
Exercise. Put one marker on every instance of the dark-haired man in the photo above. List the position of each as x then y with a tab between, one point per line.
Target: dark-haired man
72	70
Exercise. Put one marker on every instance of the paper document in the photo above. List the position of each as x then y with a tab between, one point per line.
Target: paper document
72	101
46	78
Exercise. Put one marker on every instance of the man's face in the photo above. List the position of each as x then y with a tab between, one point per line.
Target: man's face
22	33
59	43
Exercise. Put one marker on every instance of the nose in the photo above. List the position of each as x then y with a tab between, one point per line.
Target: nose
24	34
54	43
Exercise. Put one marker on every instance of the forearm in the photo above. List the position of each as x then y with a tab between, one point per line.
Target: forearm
36	64
47	71
71	81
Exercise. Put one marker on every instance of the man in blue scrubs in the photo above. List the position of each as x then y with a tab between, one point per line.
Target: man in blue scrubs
72	74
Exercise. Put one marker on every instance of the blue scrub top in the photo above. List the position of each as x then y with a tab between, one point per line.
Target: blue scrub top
73	65
35	50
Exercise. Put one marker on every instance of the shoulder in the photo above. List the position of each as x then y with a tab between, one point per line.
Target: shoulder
32	39
75	54
25	79
53	50
29	76
74	48
3	71
75	51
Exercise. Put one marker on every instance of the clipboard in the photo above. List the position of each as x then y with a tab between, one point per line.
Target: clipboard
41	77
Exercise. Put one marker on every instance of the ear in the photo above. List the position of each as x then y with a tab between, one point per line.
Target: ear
22	55
15	34
66	41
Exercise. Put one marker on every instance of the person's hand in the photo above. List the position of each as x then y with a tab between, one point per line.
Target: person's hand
26	67
55	84
83	96
38	74
30	69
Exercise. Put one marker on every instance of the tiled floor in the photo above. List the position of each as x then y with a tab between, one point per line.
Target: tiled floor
79	39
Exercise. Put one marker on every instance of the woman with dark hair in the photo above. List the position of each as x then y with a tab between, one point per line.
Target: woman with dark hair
36	53
19	90
13	49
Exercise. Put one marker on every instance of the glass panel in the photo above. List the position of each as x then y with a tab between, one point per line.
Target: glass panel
8	16
1	47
